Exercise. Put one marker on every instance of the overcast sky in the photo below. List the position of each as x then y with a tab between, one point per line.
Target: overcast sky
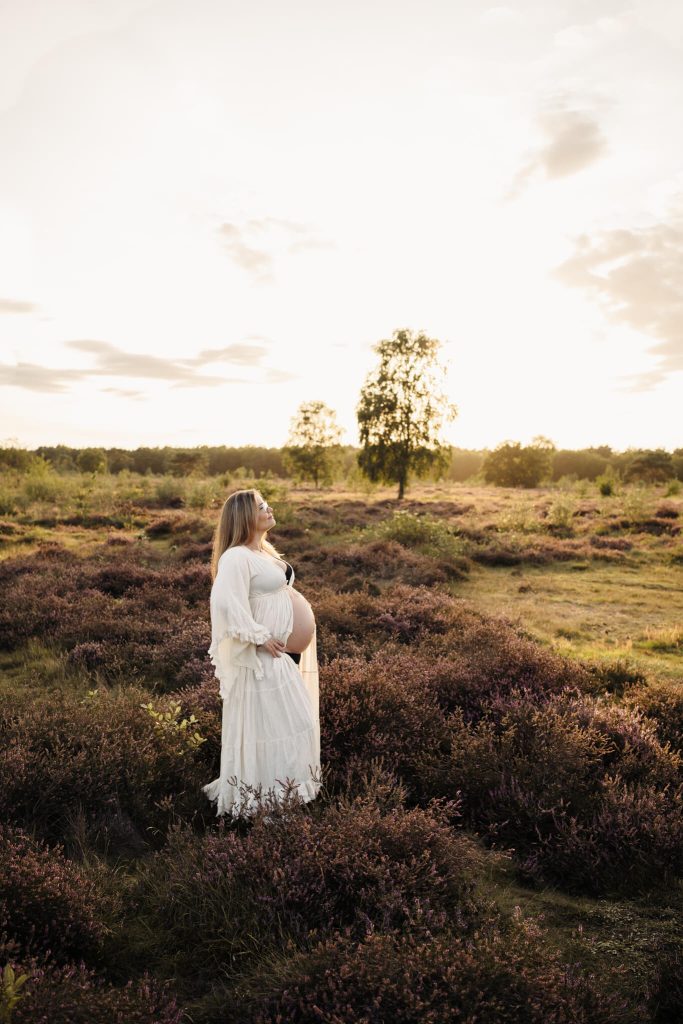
210	211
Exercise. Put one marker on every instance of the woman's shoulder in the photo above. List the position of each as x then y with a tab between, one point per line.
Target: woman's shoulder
238	552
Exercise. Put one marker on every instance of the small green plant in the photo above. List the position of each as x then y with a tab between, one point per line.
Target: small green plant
519	518
635	501
169	722
171	491
673	488
561	514
9	992
200	494
428	535
41	483
606	484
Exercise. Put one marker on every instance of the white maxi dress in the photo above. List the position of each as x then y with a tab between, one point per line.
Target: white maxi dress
271	719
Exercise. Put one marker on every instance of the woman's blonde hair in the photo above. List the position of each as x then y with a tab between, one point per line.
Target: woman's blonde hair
236	525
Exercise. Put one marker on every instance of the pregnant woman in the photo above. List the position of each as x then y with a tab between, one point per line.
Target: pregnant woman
263	648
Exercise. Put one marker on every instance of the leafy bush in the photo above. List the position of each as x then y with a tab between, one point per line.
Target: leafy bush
606	484
663	705
505	974
102	758
425	533
378	708
222	899
631	841
387	559
121	620
561	516
566	784
46	902
75	994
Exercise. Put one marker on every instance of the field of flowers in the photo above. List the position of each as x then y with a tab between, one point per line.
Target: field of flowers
499	836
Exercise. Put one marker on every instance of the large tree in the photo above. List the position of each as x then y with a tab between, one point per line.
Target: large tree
401	411
313	443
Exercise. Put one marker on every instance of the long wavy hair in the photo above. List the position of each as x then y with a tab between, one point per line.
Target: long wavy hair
236	525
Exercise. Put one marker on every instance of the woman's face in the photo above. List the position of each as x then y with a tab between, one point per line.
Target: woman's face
264	514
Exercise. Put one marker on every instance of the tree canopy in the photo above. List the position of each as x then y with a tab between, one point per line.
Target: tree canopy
402	408
511	465
313	443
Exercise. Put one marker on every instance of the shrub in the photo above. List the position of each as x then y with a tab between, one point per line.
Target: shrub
222	899
480	658
359	624
101	757
425	533
386	559
46	902
75	994
565	784
666	987
632	841
560	516
378	708
667	512
120	620
506	974
636	755
606	484
663	705
541	551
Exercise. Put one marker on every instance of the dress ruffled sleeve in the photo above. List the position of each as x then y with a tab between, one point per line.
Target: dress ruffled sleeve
235	634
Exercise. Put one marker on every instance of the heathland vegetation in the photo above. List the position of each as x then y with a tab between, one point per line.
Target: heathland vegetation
499	836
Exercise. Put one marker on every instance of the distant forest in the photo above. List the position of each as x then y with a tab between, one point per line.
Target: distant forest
465	464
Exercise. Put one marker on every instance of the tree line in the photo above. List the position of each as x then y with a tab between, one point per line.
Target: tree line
402	409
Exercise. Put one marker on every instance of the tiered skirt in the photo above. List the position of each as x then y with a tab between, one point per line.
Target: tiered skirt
270	726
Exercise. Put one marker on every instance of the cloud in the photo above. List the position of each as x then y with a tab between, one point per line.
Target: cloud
38	378
114	362
17	306
572	141
279	376
124	392
637	278
244	355
257	262
253	246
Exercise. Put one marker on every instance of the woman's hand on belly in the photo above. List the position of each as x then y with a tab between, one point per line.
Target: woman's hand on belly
303	623
273	646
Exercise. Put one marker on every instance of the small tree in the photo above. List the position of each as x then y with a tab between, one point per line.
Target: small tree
313	443
92	460
511	465
401	411
185	462
650	467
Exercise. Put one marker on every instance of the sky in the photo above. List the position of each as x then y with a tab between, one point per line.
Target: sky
210	212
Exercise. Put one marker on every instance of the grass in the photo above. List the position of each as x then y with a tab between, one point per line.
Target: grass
607	611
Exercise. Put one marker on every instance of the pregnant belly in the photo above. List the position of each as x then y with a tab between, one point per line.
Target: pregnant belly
304	623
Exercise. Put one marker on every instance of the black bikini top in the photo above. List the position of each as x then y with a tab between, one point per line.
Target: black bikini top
289	572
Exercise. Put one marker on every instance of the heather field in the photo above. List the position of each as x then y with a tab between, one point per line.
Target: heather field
499	837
